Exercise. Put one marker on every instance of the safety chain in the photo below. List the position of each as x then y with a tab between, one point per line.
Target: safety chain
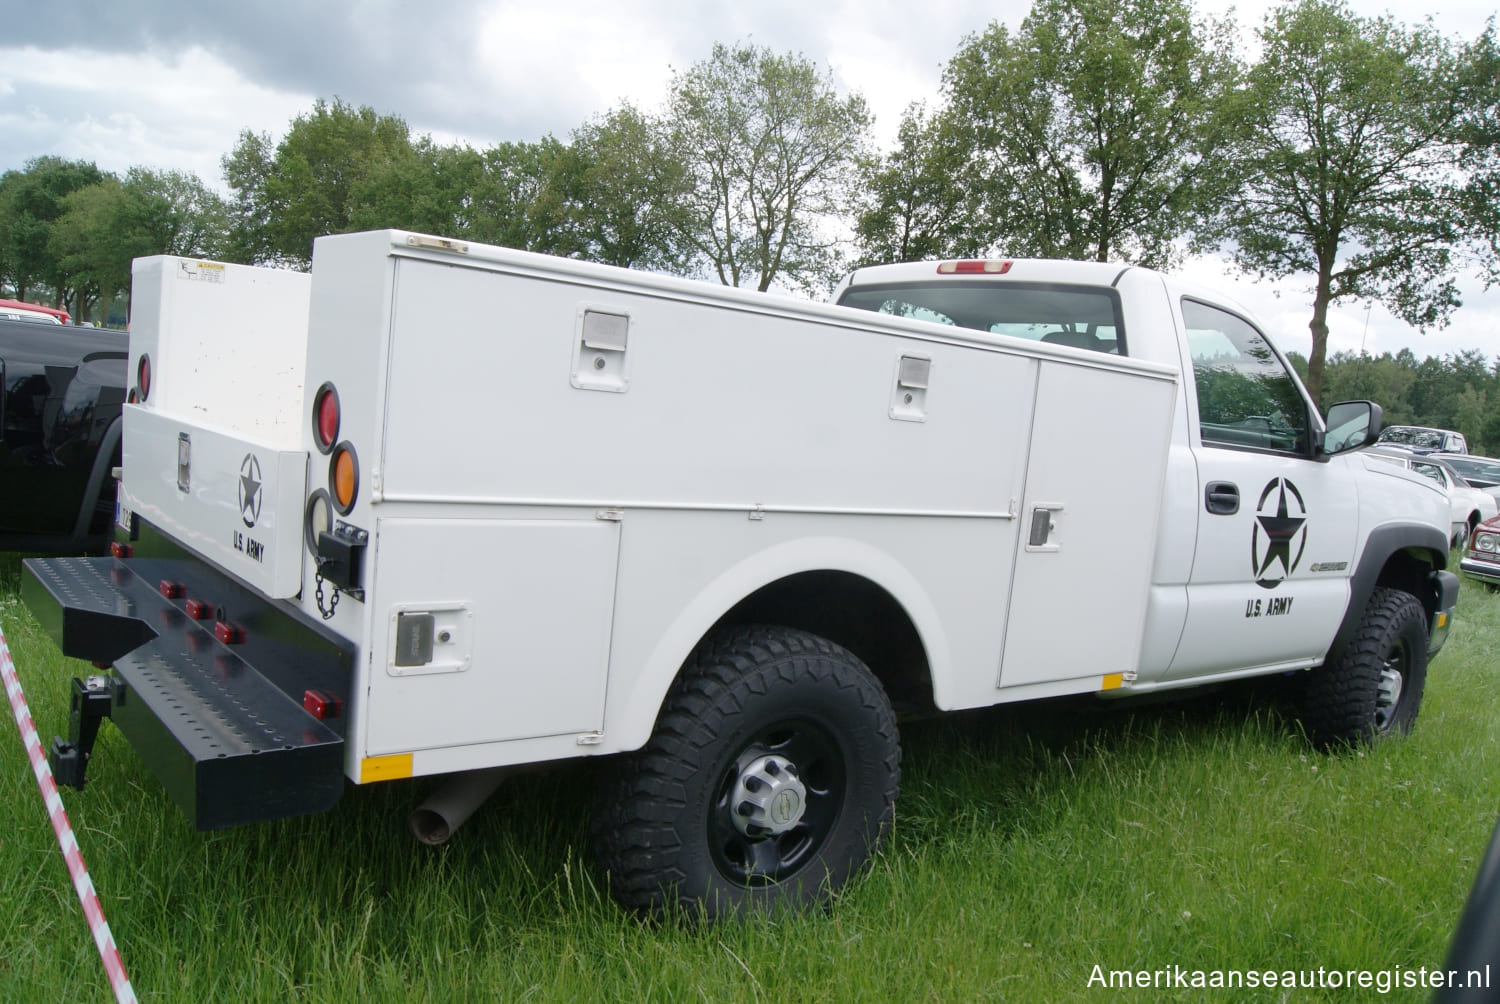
334	605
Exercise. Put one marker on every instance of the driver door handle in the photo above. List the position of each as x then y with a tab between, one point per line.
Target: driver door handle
1222	498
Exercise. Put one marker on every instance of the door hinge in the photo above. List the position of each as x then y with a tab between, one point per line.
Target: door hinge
611	515
591	739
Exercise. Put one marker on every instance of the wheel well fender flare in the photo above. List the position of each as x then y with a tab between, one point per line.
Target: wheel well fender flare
630	717
1383	544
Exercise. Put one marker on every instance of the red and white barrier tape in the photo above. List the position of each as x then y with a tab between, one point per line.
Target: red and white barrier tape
114	968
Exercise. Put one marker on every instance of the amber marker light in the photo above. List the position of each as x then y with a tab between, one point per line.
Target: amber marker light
343	477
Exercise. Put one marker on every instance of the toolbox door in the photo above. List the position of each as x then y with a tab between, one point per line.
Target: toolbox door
1087	524
487	630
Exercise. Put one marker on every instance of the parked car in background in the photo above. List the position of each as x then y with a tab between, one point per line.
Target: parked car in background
1470	505
61	389
1420	439
56	313
1480	472
1482	555
14	310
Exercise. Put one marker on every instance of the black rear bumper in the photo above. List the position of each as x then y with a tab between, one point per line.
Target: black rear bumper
222	726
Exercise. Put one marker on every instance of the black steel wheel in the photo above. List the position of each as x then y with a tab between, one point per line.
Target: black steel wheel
1375	687
770	779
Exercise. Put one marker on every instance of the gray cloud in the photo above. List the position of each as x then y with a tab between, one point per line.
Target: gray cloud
426	61
293	43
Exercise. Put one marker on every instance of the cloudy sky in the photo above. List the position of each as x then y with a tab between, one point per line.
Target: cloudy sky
170	85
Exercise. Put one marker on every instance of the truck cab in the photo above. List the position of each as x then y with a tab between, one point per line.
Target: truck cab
1266	524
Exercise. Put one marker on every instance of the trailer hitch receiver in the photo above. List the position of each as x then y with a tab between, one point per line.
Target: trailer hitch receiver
93	700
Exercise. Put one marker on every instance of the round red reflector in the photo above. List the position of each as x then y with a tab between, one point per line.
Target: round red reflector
326	417
143	376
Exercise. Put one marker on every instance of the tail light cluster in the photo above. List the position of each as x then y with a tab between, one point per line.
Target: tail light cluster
343	462
337	546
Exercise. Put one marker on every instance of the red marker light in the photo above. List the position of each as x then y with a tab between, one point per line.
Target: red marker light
171	590
198	610
321	704
326	415
228	633
119	550
143	376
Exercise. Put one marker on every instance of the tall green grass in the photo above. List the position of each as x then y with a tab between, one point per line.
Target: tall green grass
1031	844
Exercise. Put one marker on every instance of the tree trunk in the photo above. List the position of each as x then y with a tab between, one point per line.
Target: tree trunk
1319	328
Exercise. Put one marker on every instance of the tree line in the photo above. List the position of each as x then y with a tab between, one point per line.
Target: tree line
1460	391
1360	153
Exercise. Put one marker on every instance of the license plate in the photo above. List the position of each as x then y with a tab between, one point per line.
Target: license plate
124	518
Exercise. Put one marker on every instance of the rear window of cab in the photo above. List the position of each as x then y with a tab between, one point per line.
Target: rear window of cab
1081	317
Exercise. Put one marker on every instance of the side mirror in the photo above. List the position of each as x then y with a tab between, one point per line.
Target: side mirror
1350	425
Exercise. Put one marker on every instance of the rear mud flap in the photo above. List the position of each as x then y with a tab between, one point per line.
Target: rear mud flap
230	746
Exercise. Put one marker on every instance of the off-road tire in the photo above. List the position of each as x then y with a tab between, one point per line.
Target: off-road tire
664	830
1349	702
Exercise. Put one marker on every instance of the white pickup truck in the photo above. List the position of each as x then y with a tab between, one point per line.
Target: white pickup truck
442	508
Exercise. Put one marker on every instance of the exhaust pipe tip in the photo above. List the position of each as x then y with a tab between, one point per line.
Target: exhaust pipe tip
429	826
438	818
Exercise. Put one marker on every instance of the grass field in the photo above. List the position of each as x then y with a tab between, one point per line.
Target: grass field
1031	844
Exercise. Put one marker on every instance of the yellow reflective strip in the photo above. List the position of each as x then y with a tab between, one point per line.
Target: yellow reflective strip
1442	618
1114	681
384	768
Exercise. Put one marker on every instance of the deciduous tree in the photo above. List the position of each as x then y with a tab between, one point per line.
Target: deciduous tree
1087	133
624	193
31	203
109	224
1347	139
1479	132
426	189
516	202
307	185
772	152
919	200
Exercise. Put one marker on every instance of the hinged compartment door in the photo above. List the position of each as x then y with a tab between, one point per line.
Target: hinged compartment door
488	629
1088	524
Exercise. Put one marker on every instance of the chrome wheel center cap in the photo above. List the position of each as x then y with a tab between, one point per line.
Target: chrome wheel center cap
1388	695
768	797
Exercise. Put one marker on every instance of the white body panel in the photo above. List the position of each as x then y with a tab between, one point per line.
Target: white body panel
239	504
569	473
227	343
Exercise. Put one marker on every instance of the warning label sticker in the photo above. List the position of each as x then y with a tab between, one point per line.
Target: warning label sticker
202	271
